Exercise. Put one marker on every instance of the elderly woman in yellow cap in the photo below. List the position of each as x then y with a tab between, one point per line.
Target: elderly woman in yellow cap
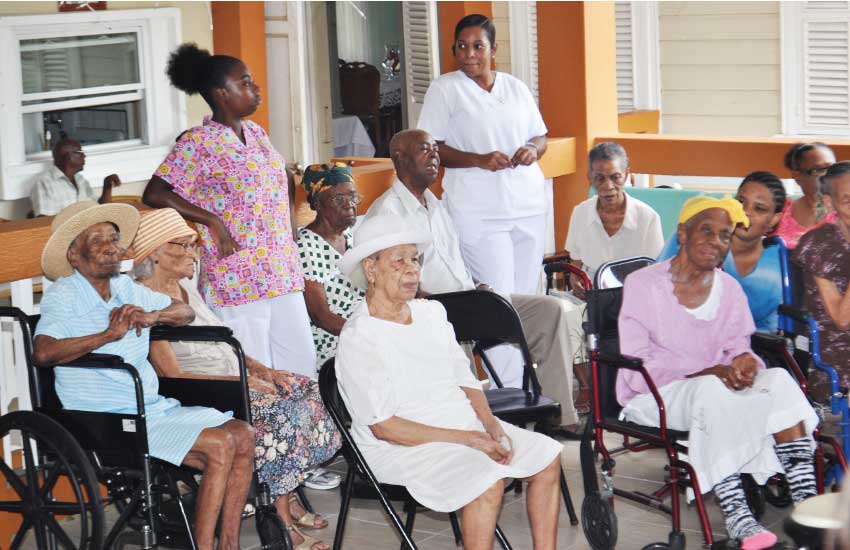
292	429
690	323
330	295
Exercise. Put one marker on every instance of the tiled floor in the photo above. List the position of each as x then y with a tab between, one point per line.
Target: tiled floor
367	526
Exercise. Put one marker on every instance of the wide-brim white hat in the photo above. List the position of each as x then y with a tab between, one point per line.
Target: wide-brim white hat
376	234
76	218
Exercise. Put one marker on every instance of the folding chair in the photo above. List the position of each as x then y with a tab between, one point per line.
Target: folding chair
357	467
486	320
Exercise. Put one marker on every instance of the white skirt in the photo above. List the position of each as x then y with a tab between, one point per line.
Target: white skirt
445	477
730	432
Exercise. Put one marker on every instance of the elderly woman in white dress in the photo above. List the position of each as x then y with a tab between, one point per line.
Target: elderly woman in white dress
418	413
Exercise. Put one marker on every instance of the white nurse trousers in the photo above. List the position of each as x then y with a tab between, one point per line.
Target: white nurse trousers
275	332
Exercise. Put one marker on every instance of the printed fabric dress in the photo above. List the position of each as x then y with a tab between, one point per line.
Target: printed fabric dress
292	428
320	262
824	252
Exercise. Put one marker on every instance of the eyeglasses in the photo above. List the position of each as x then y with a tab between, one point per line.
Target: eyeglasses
817	170
344	200
187	247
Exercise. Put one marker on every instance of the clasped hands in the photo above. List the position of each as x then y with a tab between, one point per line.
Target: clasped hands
127	317
497	160
740	375
490	442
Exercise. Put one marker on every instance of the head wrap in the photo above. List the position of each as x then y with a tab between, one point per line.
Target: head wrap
729	204
321	177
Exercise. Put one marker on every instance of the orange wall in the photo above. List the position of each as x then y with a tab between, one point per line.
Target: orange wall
449	13
239	31
578	87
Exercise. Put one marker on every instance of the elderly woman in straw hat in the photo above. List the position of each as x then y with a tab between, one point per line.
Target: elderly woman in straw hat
292	430
92	308
691	324
418	413
330	295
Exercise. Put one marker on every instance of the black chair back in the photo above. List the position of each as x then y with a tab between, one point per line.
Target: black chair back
613	274
486	319
603	312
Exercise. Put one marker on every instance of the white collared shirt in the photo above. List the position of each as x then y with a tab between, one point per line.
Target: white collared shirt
443	269
588	241
53	191
466	117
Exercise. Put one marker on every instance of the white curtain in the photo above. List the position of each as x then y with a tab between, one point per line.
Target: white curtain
352	31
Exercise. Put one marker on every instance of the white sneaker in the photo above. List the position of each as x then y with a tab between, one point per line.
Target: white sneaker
321	479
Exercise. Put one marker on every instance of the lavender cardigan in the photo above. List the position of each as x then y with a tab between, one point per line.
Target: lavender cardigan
654	326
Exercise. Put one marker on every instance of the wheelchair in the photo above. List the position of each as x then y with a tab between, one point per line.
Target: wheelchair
76	463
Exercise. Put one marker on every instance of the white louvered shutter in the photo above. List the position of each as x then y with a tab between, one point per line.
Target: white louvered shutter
625	57
532	34
816	80
420	55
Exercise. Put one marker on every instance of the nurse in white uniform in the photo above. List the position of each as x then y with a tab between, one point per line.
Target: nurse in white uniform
417	412
491	136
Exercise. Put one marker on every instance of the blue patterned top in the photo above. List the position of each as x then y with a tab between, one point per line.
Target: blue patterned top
763	285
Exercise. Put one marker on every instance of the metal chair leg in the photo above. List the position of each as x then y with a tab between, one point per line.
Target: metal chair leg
502	539
410	508
302	496
568	501
345	502
456	529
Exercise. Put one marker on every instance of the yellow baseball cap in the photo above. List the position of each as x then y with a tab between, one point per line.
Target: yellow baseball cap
695	205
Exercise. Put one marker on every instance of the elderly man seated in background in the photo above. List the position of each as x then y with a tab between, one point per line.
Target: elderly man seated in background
547	321
418	413
63	183
691	325
91	308
609	226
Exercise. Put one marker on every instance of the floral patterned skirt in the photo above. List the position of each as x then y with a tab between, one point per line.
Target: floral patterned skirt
294	433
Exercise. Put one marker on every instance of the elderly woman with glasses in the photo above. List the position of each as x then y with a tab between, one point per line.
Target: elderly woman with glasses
807	162
417	412
292	430
330	295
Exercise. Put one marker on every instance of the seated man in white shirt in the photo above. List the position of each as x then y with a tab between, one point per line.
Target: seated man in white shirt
611	225
547	321
63	183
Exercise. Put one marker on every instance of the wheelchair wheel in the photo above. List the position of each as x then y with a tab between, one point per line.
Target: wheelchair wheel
599	522
58	482
271	529
756	495
656	546
777	492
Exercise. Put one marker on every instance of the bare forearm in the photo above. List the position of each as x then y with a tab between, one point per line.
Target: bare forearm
318	309
52	351
837	305
105	195
177	314
454	158
400	431
479	404
159	194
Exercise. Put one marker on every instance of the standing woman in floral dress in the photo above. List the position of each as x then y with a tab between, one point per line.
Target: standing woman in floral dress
226	176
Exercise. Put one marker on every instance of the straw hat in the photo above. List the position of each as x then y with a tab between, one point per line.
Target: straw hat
156	228
74	220
376	234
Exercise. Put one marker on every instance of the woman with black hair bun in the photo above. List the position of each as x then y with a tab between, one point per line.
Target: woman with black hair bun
227	177
807	162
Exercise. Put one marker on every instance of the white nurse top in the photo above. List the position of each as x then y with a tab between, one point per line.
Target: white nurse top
417	372
466	117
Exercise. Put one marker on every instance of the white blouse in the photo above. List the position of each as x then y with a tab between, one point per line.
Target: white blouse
466	117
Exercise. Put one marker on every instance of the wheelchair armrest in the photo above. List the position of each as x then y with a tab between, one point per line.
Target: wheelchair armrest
621	361
560	256
109	362
765	341
191	333
796	313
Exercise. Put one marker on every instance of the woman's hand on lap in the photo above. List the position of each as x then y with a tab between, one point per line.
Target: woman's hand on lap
744	368
486	444
494	161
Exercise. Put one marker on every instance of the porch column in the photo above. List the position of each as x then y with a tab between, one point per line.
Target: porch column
578	88
239	30
448	14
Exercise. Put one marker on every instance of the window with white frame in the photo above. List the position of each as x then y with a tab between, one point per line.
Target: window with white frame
98	77
816	68
638	65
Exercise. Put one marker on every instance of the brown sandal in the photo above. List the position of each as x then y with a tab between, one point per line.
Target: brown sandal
308	519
